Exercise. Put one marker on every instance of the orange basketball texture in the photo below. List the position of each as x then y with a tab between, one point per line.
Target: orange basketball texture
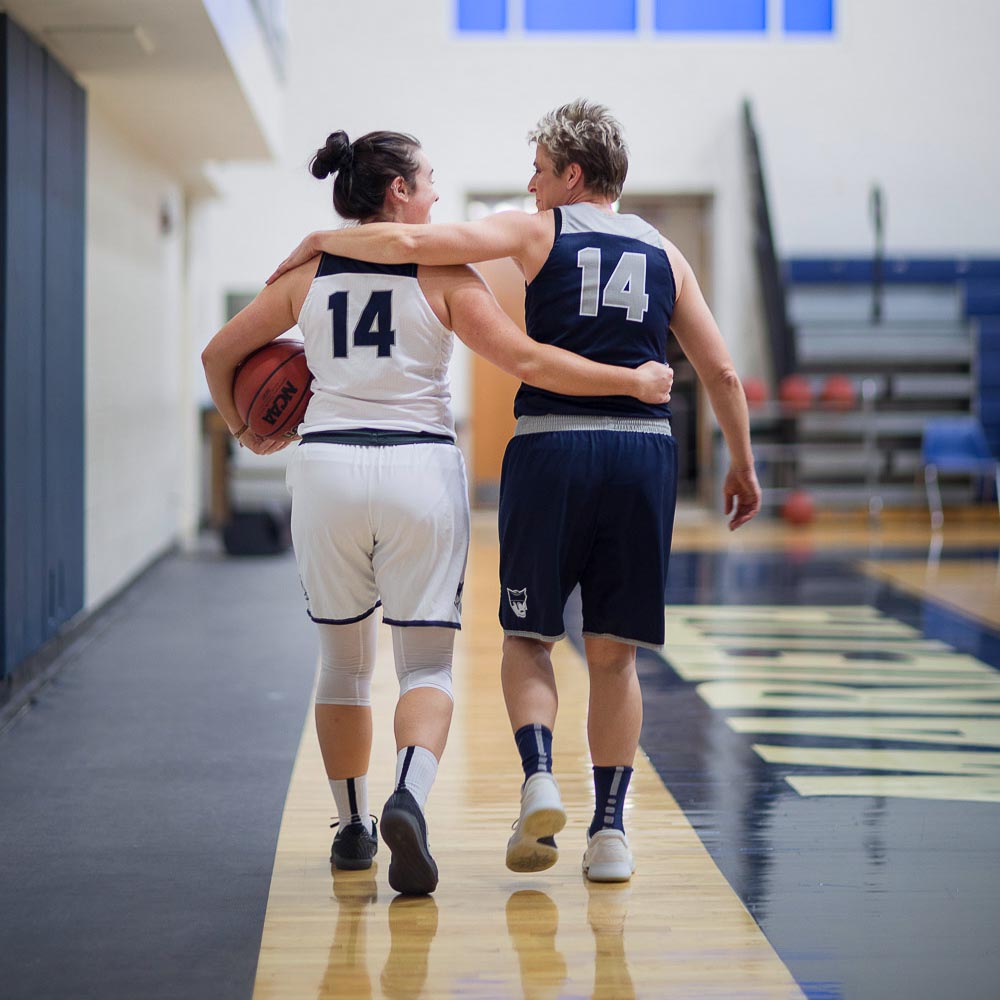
271	388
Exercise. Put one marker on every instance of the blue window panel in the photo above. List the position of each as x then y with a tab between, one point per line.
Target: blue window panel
809	15
711	15
482	15
580	15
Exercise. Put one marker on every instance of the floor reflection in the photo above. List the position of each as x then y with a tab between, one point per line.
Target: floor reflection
532	923
413	922
347	963
607	908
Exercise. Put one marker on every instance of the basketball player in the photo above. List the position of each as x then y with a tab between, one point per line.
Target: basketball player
588	489
379	498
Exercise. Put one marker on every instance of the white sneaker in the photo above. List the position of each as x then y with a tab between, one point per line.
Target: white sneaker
532	847
608	857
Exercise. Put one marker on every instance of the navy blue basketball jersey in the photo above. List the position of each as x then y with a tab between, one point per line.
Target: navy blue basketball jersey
606	291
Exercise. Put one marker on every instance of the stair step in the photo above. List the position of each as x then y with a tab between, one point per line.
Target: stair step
826	304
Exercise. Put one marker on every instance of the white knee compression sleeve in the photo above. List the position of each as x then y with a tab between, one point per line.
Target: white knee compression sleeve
347	656
423	657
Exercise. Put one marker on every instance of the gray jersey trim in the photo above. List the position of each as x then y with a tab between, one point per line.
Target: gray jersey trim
534	635
624	641
553	422
584	218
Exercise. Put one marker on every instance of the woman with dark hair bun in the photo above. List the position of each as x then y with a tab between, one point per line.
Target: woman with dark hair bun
359	188
379	498
335	154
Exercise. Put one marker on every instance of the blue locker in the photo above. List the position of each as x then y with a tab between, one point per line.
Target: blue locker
41	345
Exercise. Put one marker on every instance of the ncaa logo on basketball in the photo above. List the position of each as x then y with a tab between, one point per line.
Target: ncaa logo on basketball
285	394
518	601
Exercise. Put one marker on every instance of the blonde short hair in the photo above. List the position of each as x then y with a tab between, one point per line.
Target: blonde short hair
587	134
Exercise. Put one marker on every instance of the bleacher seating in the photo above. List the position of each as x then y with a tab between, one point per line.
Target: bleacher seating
935	352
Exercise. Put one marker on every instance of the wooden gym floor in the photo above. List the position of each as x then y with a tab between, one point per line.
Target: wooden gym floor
815	810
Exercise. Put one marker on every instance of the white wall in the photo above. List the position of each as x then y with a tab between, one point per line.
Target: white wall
900	94
137	404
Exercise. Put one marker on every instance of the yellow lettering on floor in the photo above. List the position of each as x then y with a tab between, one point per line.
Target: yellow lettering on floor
971	700
957	732
875	676
927	761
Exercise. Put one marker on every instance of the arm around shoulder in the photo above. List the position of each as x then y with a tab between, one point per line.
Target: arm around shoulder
478	320
506	234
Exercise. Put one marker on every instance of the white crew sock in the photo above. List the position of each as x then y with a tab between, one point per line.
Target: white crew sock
416	769
351	796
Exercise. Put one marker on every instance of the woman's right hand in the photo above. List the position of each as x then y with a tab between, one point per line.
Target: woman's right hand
655	382
262	445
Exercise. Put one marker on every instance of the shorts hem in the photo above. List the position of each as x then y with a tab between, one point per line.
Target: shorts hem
344	621
654	646
534	635
420	624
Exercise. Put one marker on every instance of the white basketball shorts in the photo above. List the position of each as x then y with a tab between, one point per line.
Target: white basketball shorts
382	525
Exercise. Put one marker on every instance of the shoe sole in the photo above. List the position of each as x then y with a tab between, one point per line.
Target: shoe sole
412	870
609	873
524	852
351	864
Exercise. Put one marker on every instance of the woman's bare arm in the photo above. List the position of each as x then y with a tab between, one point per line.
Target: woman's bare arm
271	314
477	319
525	237
699	335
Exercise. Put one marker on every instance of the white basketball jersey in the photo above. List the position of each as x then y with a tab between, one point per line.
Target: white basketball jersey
378	353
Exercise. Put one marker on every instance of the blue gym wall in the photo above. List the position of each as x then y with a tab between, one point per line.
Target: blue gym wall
42	150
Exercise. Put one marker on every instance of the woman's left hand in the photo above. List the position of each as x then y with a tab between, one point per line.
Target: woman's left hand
741	495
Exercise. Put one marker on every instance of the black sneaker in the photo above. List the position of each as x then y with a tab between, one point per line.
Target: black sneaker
412	870
354	847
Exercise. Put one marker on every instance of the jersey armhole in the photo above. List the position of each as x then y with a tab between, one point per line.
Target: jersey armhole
670	271
557	220
309	291
426	302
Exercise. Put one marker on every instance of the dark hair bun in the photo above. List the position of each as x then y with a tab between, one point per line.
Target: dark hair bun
335	155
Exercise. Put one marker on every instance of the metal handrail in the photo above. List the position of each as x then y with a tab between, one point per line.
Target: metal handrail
780	332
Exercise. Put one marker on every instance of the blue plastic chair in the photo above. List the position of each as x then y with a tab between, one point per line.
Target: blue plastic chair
955	446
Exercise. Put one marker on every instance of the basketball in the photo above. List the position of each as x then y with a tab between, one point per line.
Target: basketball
838	392
795	393
755	391
799	508
271	388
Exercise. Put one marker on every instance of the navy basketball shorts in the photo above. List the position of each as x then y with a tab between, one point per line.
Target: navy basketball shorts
587	507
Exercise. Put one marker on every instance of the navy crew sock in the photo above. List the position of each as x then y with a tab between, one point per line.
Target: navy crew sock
534	744
610	786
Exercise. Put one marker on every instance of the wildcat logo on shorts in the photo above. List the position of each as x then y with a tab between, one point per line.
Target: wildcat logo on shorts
518	601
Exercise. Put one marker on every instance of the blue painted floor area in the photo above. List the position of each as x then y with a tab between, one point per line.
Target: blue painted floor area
892	890
141	795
